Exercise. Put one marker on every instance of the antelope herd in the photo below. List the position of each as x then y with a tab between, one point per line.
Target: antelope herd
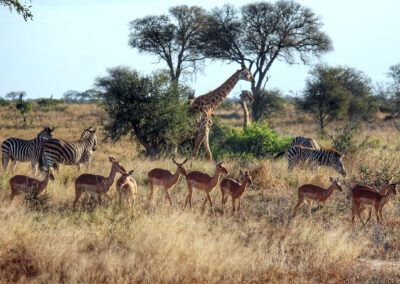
50	152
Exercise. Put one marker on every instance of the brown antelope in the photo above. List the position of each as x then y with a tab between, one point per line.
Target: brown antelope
363	197
127	188
310	192
23	184
203	181
96	185
234	189
165	179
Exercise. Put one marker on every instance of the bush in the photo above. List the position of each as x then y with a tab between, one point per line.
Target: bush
266	103
3	102
345	141
256	141
48	103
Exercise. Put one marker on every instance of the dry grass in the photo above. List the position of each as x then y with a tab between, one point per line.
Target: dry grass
157	243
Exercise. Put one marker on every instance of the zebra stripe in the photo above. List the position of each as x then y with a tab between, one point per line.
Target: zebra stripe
20	150
300	141
59	151
305	142
322	156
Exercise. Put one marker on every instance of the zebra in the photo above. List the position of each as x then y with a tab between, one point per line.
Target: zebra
59	151
301	141
20	150
322	156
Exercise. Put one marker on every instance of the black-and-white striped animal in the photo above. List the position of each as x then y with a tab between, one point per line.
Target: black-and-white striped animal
59	151
323	156
20	150
301	141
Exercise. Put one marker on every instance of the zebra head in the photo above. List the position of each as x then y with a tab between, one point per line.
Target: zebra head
90	136
338	165
46	133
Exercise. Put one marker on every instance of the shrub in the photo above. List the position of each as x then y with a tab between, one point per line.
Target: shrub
266	103
4	102
48	103
256	141
346	139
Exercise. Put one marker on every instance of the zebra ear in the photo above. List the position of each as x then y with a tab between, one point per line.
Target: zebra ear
52	129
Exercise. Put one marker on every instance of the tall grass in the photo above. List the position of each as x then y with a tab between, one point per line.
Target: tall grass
159	243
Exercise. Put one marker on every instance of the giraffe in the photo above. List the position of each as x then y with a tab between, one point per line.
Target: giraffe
206	104
245	95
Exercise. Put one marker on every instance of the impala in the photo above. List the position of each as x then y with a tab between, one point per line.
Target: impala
24	184
365	197
203	181
310	192
96	185
127	188
165	179
234	189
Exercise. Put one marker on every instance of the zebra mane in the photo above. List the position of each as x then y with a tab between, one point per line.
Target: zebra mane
330	150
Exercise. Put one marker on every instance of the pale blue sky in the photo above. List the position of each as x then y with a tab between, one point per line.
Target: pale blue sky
70	43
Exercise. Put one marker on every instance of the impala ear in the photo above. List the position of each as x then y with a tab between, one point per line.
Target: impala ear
130	172
240	172
331	179
184	161
173	160
112	160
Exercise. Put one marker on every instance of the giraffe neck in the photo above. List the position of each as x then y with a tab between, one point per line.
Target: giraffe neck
245	114
209	102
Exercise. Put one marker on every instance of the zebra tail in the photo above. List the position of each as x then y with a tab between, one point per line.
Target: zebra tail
280	154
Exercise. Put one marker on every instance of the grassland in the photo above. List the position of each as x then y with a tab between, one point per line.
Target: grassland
160	243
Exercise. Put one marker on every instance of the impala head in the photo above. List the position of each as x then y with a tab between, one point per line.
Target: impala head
338	186
246	75
220	168
46	133
390	186
117	166
181	169
124	176
246	177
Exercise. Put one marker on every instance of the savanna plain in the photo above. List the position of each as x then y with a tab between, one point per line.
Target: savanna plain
50	242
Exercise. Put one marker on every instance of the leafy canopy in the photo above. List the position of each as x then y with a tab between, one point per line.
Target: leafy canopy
147	107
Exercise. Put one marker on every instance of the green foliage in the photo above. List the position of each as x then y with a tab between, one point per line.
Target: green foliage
4	102
266	103
346	139
256	141
173	38
149	108
376	176
25	108
46	104
21	9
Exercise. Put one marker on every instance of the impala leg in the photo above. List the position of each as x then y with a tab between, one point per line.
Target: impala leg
108	197
369	215
168	196
189	196
239	205
151	190
309	207
299	202
233	206
209	199
204	205
78	192
85	199
99	198
222	201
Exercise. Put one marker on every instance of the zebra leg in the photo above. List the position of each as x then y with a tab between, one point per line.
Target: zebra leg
13	166
34	170
5	160
79	167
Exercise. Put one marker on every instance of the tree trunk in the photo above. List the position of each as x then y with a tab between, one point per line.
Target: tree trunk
150	150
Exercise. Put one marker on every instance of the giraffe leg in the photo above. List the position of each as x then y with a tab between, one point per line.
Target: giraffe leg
206	143
201	134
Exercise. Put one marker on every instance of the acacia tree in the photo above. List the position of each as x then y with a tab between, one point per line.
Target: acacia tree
325	97
261	33
22	9
392	103
172	38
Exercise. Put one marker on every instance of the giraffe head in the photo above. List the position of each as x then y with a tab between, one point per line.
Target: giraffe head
245	74
246	95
